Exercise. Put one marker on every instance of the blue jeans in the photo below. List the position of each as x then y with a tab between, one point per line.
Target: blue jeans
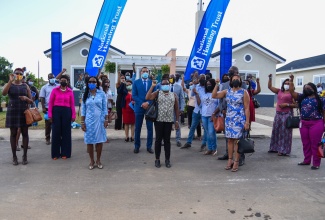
196	117
211	133
138	125
178	131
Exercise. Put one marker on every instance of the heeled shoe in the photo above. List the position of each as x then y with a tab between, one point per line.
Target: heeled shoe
24	162
235	169
91	166
228	167
132	140
126	140
99	165
14	161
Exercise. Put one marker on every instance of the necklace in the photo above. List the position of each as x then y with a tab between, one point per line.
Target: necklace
63	90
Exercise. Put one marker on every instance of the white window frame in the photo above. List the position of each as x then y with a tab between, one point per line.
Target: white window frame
72	73
246	72
250	56
302	81
319	76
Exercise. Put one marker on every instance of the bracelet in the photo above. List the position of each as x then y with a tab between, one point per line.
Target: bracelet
177	122
246	122
106	120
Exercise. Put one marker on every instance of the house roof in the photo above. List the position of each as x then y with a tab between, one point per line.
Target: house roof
256	45
304	63
77	38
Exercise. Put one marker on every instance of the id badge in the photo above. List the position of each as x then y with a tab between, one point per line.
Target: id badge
300	124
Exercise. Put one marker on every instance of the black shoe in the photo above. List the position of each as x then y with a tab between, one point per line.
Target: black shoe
150	150
203	146
187	145
22	147
136	150
241	162
314	167
132	140
126	139
178	144
303	164
224	157
24	162
167	163
15	161
157	163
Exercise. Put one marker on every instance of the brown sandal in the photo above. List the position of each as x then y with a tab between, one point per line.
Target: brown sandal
235	169
229	167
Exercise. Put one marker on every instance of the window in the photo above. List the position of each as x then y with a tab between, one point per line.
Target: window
281	81
319	79
248	58
299	81
243	74
84	52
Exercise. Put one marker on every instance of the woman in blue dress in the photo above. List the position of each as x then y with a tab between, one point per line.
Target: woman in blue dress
237	117
94	120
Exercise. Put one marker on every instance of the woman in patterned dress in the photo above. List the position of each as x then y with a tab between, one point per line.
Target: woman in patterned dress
237	117
167	107
19	98
281	138
94	120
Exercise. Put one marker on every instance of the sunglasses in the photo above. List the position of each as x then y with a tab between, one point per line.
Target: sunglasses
19	73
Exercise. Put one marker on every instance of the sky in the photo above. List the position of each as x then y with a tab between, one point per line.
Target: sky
293	29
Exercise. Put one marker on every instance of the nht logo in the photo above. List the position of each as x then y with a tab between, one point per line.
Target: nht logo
98	60
197	63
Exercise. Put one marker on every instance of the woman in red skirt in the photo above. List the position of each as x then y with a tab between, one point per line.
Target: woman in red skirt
128	113
251	93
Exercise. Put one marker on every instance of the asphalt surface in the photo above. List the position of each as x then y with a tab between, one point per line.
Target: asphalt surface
131	187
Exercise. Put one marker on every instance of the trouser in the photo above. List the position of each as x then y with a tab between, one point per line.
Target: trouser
137	132
48	129
189	118
311	134
118	121
61	131
163	132
178	131
196	117
211	133
182	118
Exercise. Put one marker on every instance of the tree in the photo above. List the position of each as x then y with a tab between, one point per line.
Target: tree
110	67
5	70
37	83
165	69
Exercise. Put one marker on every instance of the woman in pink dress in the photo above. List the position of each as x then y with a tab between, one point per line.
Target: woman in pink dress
128	113
251	93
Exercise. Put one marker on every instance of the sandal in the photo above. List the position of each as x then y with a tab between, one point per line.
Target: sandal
228	167
208	152
235	169
99	165
272	151
303	164
64	157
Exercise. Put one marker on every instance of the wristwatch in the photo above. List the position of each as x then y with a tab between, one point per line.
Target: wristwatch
288	105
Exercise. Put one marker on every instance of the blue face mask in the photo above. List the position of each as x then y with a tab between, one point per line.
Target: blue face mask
191	87
52	81
127	77
145	75
165	88
92	86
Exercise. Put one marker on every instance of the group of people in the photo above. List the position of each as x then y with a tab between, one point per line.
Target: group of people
232	98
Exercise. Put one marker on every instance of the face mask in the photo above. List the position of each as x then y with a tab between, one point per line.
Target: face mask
91	86
64	84
165	88
191	87
308	92
145	75
286	87
30	83
127	77
207	77
52	81
106	84
319	89
202	82
225	79
209	88
235	83
129	88
171	80
19	77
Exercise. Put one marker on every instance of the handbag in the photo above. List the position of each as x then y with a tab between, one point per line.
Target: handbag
218	124
32	115
246	144
256	103
293	121
321	148
151	113
112	115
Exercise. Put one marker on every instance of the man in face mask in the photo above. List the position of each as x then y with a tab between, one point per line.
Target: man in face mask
44	96
139	90
233	70
34	91
199	88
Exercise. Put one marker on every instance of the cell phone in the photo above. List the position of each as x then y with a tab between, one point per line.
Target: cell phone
33	93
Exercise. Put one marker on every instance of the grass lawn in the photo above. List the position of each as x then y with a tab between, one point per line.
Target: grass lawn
41	124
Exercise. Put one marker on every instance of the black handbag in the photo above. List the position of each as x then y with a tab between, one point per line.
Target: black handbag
246	144
293	121
256	103
151	113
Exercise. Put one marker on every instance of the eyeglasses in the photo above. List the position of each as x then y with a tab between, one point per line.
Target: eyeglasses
19	73
93	82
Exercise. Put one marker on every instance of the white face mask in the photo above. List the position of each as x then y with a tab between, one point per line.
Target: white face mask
319	89
286	87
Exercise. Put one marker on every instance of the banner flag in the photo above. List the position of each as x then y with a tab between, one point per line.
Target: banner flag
206	37
56	52
108	19
225	55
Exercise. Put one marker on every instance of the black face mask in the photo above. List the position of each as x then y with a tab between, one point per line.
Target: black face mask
64	84
209	88
235	83
202	82
225	80
308	92
207	77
